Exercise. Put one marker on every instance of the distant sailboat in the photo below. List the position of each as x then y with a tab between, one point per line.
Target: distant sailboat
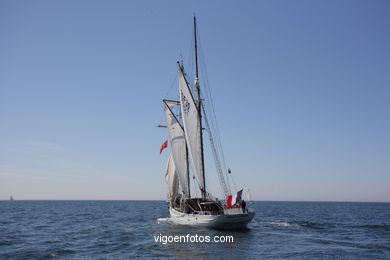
11	198
185	132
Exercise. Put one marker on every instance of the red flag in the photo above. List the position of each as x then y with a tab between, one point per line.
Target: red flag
163	146
229	201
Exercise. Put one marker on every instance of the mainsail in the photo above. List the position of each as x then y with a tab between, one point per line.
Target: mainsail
171	178
178	147
192	124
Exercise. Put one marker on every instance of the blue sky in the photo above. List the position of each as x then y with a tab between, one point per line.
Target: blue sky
301	91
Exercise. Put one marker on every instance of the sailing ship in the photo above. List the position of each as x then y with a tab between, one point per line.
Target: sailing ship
186	120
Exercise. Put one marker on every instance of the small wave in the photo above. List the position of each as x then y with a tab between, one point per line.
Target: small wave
374	226
303	224
5	243
354	244
53	255
59	253
162	220
284	224
314	225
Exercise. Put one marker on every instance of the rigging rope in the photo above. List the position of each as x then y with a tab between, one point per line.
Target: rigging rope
213	124
166	95
225	189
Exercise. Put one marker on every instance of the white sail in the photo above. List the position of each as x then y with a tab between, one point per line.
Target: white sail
191	122
171	178
178	146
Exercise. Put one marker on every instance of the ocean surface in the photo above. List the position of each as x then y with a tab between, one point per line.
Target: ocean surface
126	229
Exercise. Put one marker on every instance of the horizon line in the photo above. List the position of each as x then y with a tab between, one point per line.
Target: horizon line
325	201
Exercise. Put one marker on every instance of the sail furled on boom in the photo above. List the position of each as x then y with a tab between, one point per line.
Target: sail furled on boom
192	124
171	178
178	146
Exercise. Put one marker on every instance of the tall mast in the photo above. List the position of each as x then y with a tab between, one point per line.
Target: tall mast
199	110
196	56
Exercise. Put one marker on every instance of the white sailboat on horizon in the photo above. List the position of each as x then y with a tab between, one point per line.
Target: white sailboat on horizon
185	135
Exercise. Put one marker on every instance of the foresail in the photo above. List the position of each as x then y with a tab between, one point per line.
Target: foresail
171	178
178	146
191	122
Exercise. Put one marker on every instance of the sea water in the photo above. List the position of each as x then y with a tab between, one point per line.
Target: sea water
127	229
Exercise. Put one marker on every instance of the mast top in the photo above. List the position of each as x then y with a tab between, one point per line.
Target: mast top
199	109
196	50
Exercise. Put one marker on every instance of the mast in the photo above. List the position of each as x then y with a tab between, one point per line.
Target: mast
187	164
196	56
199	109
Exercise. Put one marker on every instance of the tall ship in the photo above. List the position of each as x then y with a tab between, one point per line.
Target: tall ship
186	122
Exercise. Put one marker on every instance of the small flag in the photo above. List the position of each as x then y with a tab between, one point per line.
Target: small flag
237	198
163	146
229	201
